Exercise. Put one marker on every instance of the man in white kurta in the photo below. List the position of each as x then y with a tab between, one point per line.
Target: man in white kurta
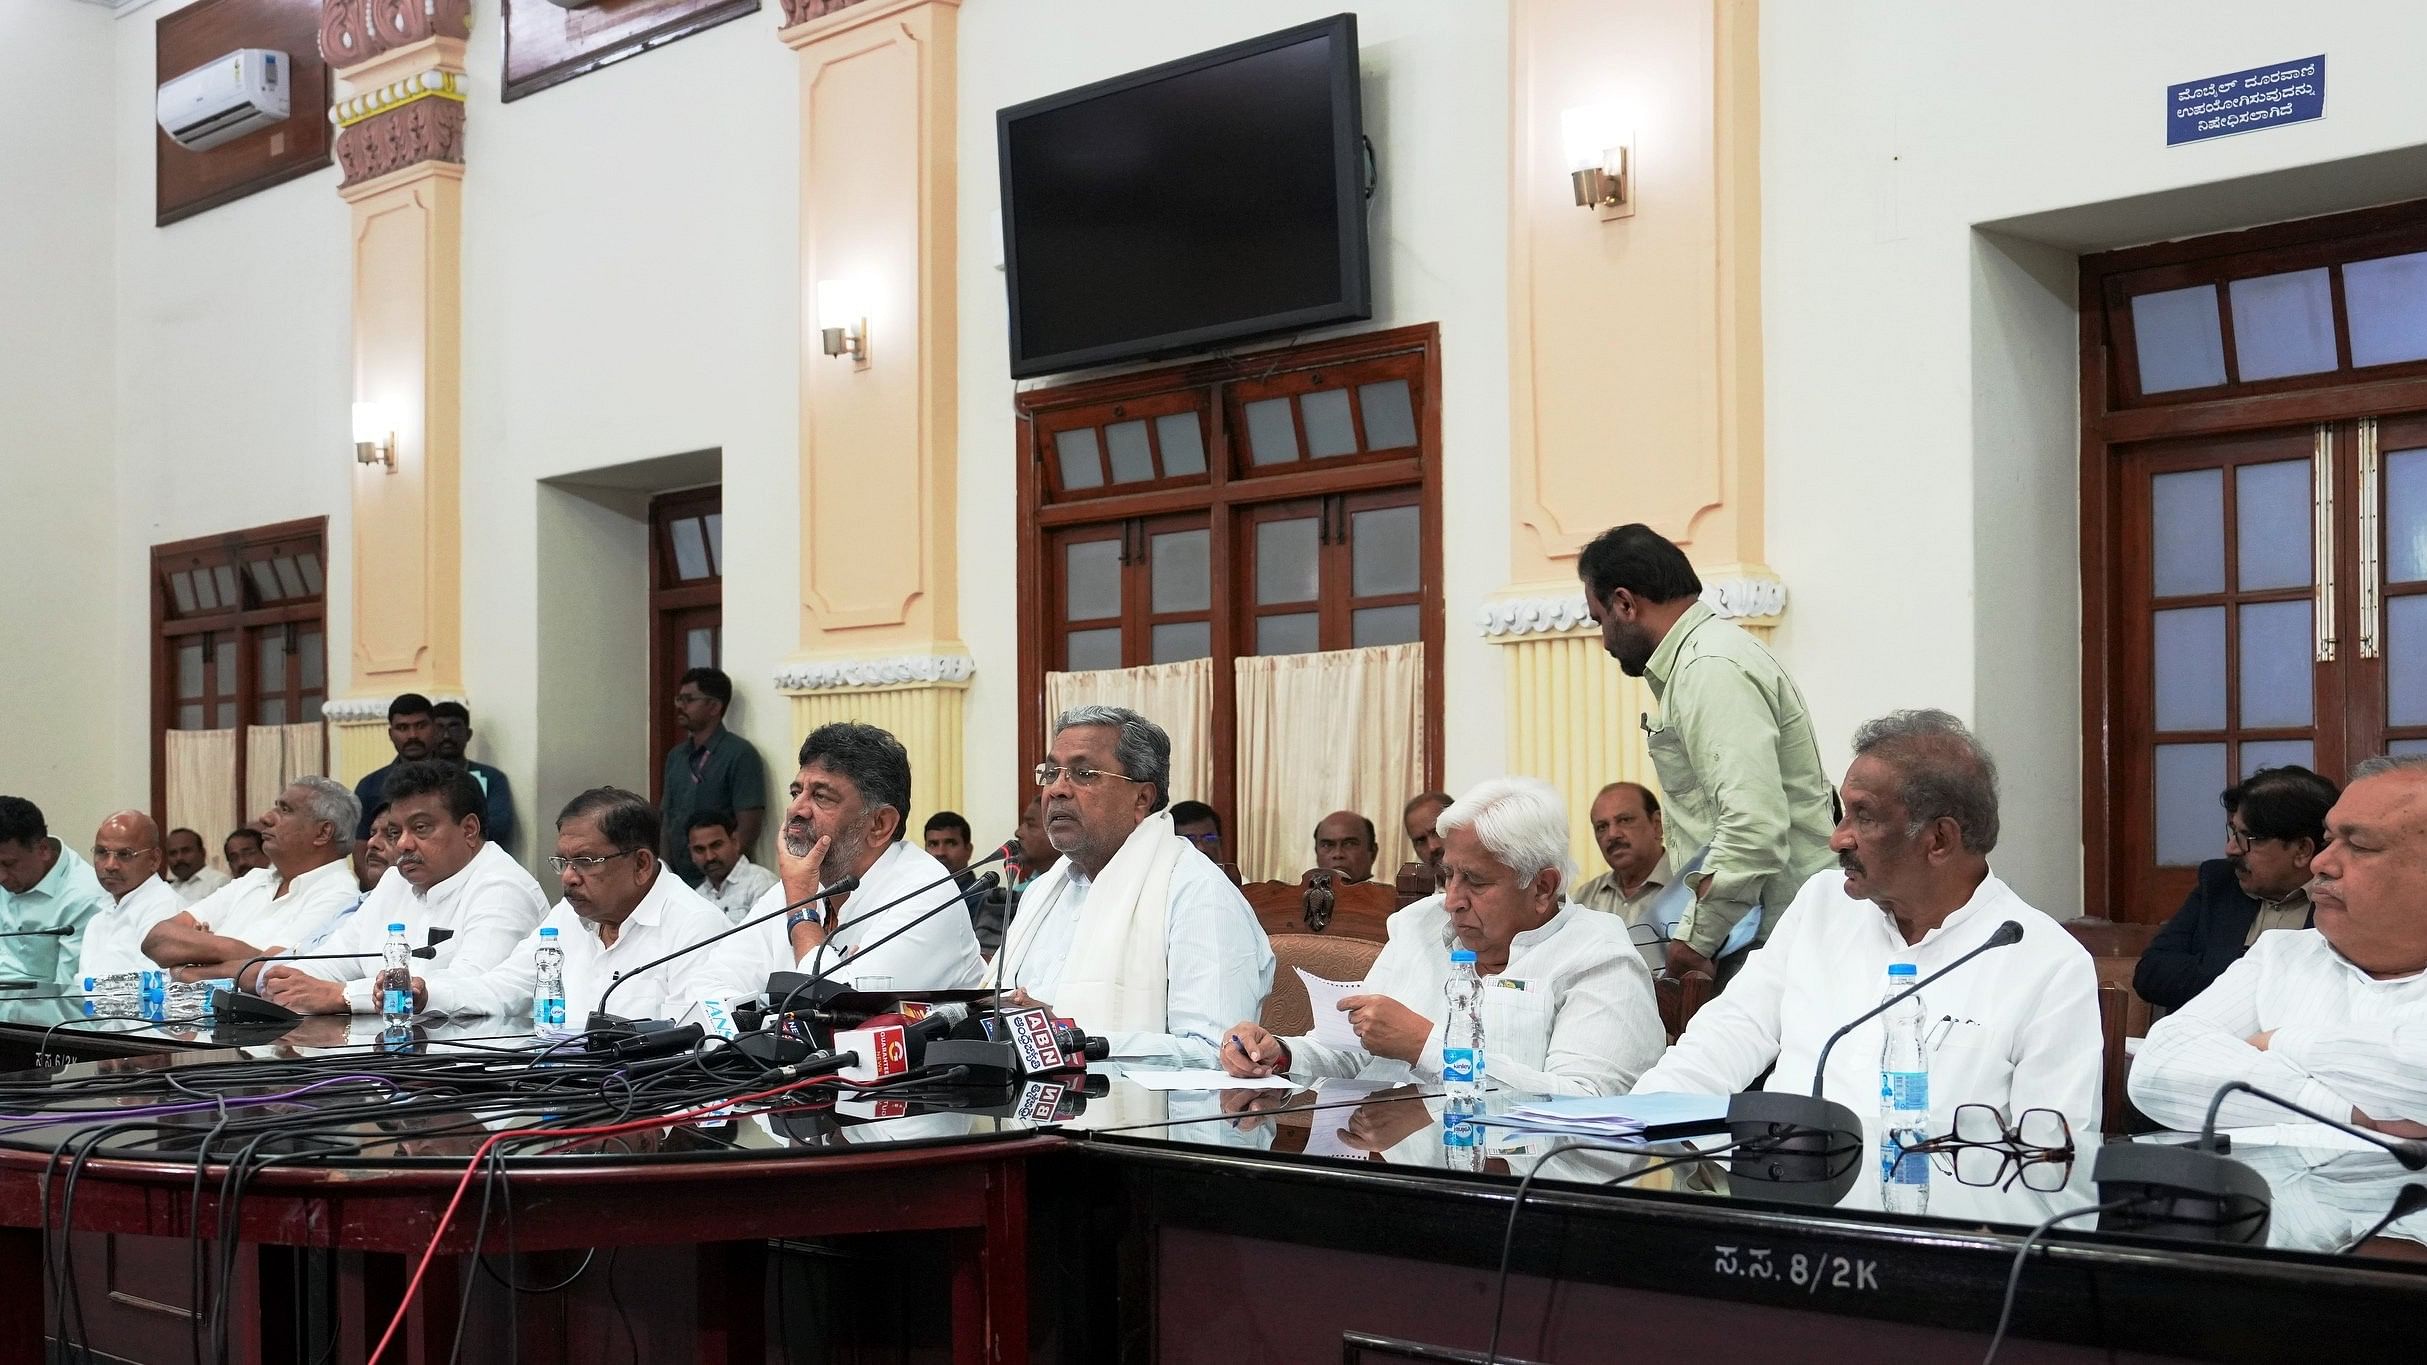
1133	935
126	861
307	834
2332	1018
2017	1029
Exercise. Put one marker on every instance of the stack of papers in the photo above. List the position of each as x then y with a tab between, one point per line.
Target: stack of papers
1620	1117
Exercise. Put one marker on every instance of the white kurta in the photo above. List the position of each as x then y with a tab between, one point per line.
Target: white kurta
670	916
1218	964
1571	1014
250	909
204	882
941	953
743	886
2343	1040
113	939
2017	1028
486	908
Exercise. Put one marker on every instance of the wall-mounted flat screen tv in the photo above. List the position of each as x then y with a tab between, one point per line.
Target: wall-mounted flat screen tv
1206	200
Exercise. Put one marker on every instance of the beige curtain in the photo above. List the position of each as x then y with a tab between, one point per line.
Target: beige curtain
1178	697
275	755
1322	732
202	784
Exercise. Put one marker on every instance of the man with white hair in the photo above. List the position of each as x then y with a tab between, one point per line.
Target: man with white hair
2018	1029
1571	1009
1134	934
308	834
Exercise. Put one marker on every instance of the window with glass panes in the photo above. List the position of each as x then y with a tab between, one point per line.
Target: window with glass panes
2254	528
686	605
239	635
1276	503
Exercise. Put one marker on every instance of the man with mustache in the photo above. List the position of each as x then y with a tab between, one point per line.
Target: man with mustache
2275	822
43	885
413	733
1418	818
126	860
850	807
189	872
243	851
2017	1029
308	836
1626	827
2334	1017
1345	843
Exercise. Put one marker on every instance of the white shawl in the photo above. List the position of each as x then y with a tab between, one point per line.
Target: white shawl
1116	977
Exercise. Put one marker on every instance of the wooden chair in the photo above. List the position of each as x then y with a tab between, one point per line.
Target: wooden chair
1318	903
1330	956
1680	996
1415	882
2115	950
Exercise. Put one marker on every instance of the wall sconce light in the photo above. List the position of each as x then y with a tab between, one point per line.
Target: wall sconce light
842	320
1600	160
374	436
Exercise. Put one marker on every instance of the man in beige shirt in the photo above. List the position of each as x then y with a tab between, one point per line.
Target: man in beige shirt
1626	827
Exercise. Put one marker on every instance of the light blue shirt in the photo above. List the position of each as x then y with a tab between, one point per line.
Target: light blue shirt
68	897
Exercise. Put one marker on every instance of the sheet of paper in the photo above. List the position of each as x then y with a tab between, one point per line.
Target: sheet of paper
2313	1136
1331	1026
1350	1087
1657	1110
1326	1135
1204	1078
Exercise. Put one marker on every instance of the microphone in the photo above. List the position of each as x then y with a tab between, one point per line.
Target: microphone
2412	1155
601	1019
1010	848
810	983
242	1006
2408	1201
61	932
1808	1146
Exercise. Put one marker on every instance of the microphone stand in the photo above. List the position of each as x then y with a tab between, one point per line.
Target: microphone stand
601	1019
238	1006
811	982
61	932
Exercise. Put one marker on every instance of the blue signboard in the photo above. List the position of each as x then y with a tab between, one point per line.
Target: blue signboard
2245	101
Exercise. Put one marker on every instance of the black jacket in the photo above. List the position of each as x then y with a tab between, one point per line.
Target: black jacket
2200	942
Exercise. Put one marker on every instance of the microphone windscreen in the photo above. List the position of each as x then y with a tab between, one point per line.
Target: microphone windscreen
2008	932
2413	1156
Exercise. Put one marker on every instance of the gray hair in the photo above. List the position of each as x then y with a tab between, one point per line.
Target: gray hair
2389	763
331	801
1942	772
871	759
1522	823
1140	745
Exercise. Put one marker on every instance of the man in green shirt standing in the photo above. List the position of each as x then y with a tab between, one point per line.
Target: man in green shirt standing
43	886
710	768
1739	770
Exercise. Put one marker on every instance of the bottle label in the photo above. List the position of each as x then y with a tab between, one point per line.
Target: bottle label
1462	1065
1457	1130
1898	1166
395	1002
1908	1090
548	1011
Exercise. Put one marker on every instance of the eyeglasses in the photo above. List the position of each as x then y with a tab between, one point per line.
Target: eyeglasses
1984	1150
1048	774
1208	839
689	698
587	865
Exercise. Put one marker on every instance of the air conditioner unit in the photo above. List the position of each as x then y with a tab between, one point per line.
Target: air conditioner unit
238	93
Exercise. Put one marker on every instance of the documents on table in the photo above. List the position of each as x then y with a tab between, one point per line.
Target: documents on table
1331	1024
1620	1117
1204	1078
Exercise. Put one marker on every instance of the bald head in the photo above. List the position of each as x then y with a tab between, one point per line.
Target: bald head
126	852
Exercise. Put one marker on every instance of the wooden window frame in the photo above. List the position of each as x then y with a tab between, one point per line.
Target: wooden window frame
671	595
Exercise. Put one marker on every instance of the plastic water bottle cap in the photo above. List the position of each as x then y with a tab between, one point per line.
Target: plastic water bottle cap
89	985
395	928
1903	969
548	932
1461	955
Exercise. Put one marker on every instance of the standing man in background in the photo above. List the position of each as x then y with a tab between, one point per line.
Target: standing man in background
188	869
709	768
412	725
450	734
727	878
1733	745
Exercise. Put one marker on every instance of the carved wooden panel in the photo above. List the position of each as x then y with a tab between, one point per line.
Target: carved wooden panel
546	45
188	182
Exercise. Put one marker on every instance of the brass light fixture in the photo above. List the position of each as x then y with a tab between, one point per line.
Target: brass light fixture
1600	159
374	436
842	320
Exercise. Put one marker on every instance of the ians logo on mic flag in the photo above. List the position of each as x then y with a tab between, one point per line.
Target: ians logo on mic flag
882	1052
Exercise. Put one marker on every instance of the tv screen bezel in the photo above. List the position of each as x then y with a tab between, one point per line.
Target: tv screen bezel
1355	296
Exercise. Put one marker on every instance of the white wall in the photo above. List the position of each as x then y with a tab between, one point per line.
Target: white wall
1919	372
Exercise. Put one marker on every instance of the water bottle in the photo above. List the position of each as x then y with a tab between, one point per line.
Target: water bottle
120	993
1462	1035
548	990
1904	1099
395	984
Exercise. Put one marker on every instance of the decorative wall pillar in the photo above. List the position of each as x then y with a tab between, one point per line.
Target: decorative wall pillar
879	430
399	109
1634	356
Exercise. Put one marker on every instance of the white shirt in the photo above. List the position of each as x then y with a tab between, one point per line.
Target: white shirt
670	916
251	910
486	908
2018	1028
201	884
113	939
1216	958
940	954
1571	1014
741	889
2343	1040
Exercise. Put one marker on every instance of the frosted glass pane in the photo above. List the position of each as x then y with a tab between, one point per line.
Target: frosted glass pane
189	672
690	550
2406	516
1183	443
311	709
1132	460
1386	541
2190	658
310	564
309	652
2385	301
1092	649
204	596
2276	753
699	648
1183	640
2272	515
1286	560
2282	324
1291	634
2277	653
1271	437
189	716
2190	823
227	716
270	674
225	574
1390	418
1329	429
2187	532
1094	574
223	655
290	580
1082	465
181	586
2181	344
2406	660
1183	573
265	580
715	522
273	711
1384	626
2407	746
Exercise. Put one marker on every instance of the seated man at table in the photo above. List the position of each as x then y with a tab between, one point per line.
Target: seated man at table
1345	843
2275	822
2018	1029
43	886
450	888
126	861
2333	1018
1133	935
308	836
850	808
622	908
1573	1014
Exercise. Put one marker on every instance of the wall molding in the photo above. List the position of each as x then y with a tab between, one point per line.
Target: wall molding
898	670
364	710
1752	595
